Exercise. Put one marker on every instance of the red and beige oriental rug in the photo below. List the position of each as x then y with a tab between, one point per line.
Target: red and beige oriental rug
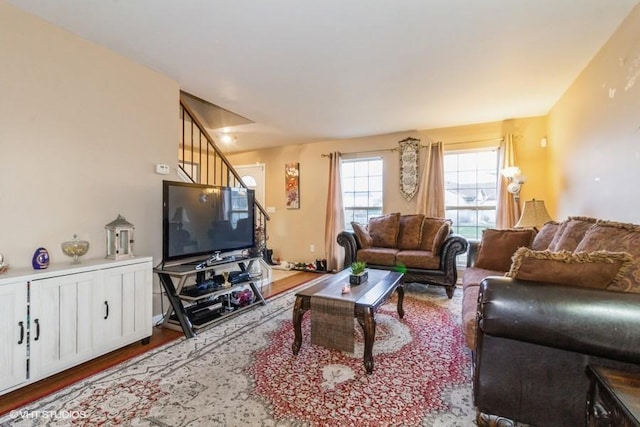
243	373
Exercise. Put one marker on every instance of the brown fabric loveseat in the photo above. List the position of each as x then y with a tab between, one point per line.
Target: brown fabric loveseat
423	248
569	299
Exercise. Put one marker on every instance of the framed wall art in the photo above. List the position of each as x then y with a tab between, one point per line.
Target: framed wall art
292	185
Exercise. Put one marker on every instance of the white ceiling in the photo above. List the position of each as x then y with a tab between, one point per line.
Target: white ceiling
309	70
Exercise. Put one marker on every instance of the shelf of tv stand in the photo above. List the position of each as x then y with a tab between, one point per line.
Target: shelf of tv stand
175	325
216	292
177	316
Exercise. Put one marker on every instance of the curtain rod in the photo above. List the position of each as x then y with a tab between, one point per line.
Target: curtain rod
364	152
476	141
421	146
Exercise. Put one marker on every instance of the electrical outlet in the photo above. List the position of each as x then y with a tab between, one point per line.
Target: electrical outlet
312	248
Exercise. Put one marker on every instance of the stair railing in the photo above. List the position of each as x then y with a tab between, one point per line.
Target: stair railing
202	162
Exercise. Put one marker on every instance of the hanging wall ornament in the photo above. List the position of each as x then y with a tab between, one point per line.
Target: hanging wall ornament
409	156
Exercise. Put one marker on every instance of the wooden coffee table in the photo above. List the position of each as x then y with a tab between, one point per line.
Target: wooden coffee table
370	295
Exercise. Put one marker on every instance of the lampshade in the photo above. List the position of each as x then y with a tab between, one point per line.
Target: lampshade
180	216
534	214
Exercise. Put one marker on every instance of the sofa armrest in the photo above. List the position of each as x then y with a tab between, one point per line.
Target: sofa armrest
453	246
472	253
588	321
347	239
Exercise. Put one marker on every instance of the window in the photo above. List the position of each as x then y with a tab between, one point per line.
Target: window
361	190
471	182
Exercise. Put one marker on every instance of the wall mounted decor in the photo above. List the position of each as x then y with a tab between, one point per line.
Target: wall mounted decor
409	156
292	185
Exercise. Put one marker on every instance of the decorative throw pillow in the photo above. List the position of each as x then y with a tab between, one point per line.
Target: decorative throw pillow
410	231
572	233
384	230
431	234
498	246
545	236
616	237
599	269
441	236
365	241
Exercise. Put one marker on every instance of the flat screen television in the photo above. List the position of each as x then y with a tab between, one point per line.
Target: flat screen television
201	219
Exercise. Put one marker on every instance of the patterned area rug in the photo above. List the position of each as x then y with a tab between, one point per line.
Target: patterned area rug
243	373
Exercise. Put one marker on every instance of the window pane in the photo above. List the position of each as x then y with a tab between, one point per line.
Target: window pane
347	170
375	199
361	184
362	190
471	181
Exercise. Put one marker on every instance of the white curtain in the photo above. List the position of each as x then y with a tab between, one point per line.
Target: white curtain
430	200
507	210
335	215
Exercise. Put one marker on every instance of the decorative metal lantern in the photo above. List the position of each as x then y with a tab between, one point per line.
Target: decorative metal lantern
119	238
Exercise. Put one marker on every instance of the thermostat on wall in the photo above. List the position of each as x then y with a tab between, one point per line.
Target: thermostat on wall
162	169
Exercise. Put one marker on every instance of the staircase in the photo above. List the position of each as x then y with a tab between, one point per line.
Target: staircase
202	162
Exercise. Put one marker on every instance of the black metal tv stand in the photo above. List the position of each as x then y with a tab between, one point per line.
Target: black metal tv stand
206	302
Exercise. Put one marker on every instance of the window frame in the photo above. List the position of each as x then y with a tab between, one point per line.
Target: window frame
475	208
371	209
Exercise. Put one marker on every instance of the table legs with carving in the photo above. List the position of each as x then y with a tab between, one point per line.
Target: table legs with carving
298	312
366	319
368	324
400	290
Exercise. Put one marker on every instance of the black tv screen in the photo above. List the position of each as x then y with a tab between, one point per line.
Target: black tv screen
202	219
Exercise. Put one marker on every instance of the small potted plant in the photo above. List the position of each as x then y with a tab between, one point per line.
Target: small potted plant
359	273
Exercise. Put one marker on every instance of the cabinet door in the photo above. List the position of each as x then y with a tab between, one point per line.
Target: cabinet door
123	306
60	326
13	334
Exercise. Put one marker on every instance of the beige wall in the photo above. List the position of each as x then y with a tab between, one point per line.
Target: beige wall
291	232
81	129
594	133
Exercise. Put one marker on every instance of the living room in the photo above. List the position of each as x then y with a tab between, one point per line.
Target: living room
569	174
83	128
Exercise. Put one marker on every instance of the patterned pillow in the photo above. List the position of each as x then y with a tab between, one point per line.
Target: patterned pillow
498	246
384	230
545	236
365	241
616	237
572	232
410	231
599	269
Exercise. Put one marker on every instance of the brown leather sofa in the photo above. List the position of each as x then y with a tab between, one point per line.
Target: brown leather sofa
423	248
573	304
534	343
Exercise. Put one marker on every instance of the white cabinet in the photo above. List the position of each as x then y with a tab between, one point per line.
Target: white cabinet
60	322
53	319
13	335
122	306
